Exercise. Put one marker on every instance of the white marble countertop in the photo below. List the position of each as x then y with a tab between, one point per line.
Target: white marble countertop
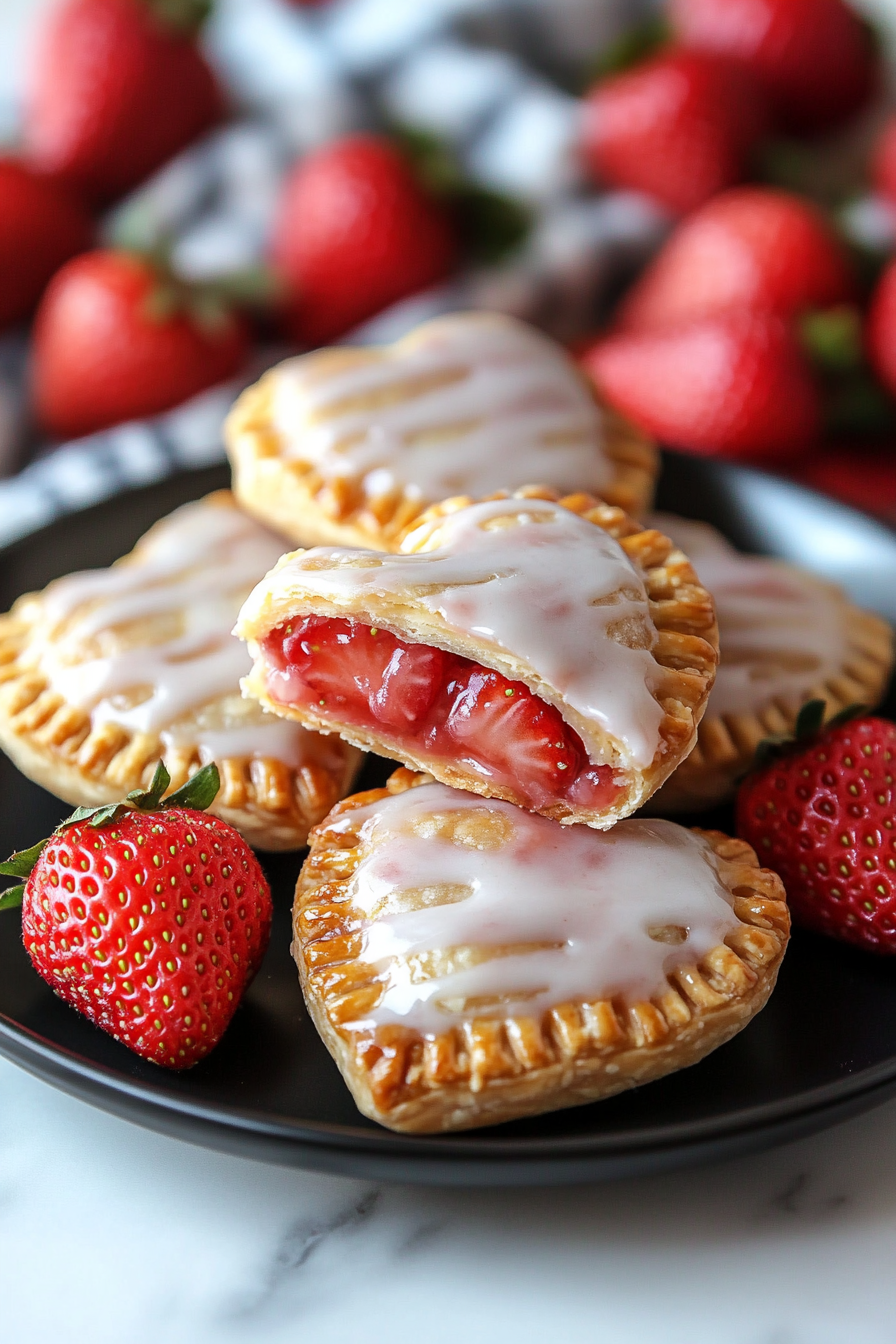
110	1234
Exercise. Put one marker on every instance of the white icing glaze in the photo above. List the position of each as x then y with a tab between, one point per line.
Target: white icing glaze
468	404
186	581
552	589
781	631
576	904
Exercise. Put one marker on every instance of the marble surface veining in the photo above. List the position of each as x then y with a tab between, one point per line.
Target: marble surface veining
112	1235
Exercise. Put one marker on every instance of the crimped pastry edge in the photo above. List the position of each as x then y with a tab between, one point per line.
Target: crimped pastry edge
289	495
726	744
489	1071
686	653
270	803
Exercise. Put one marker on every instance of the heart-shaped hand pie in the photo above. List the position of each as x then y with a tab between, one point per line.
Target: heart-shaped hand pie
349	445
548	652
105	672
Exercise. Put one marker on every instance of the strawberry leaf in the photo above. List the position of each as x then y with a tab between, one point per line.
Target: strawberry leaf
13	897
21	863
199	792
809	720
147	800
184	16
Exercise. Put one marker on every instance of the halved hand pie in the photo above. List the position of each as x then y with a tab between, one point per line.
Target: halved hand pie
467	962
349	446
786	637
106	671
548	652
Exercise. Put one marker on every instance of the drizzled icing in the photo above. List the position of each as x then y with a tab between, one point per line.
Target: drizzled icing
468	404
445	876
530	578
147	642
781	631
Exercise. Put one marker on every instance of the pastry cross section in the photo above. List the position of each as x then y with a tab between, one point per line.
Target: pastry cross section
348	446
548	652
105	672
467	962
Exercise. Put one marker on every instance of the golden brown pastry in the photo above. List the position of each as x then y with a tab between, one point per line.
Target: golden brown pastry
552	653
467	962
348	446
105	672
786	637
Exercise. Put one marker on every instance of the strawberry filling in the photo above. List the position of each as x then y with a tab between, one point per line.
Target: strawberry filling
435	703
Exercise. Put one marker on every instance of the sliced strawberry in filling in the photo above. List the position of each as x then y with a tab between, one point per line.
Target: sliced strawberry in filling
436	703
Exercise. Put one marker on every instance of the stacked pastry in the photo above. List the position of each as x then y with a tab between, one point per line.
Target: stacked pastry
491	935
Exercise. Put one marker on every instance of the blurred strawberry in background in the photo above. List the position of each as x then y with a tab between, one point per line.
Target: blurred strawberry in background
356	231
883	163
736	385
41	226
681	126
117	338
815	59
117	88
750	248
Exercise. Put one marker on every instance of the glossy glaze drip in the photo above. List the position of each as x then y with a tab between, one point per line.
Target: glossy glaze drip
148	642
530	578
474	907
469	404
781	631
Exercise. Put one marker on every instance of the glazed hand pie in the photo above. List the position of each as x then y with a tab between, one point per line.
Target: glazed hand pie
786	637
349	446
467	962
106	671
551	653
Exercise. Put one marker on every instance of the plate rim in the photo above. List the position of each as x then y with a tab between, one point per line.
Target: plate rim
438	1158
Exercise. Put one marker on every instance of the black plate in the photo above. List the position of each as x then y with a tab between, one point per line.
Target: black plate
823	1049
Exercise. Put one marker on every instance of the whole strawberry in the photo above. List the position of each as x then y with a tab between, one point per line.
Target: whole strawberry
355	232
750	248
117	87
41	226
814	58
736	385
680	127
823	816
148	917
116	339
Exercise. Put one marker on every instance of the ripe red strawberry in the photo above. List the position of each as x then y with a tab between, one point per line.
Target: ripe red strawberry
814	58
679	127
114	340
117	88
735	385
148	917
823	816
749	248
41	226
355	232
881	328
518	735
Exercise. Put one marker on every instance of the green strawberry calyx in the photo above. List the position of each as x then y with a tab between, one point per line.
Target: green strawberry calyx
185	17
809	723
197	795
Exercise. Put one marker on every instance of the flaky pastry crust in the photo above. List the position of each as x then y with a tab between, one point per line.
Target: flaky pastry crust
290	494
488	1069
56	744
685	653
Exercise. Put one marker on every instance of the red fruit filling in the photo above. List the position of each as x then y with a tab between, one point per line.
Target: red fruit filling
435	703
